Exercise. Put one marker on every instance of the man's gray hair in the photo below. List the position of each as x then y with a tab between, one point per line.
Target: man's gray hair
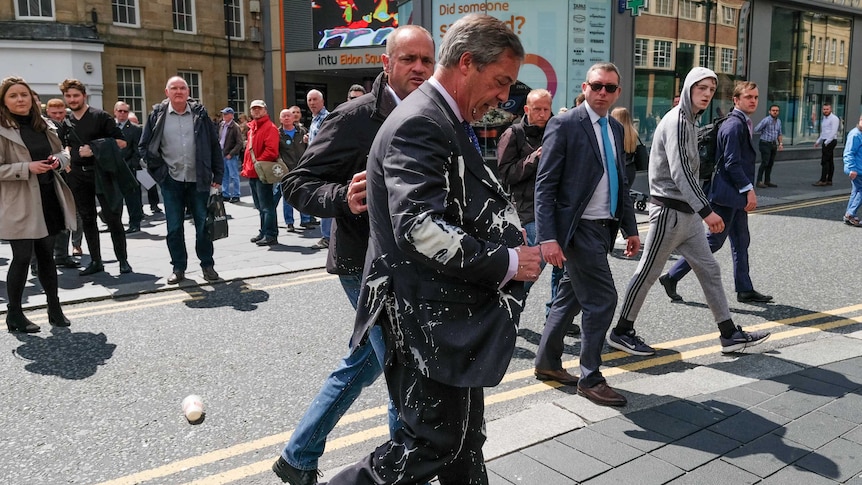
483	36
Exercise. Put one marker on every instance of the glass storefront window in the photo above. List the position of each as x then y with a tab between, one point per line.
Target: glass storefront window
696	33
805	71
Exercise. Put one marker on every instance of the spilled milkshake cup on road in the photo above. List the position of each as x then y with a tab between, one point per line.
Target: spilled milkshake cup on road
193	408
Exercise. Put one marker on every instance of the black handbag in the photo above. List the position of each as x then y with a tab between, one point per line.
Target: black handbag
216	222
641	156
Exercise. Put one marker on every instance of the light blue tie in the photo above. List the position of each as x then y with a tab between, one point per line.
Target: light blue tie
610	159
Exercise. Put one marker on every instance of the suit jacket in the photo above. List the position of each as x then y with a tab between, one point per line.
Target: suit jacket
441	224
569	171
132	134
736	163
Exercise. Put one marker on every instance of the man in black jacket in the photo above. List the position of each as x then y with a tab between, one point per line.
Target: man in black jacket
231	142
132	134
319	186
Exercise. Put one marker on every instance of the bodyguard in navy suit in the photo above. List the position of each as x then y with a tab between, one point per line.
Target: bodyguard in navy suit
731	193
581	202
445	265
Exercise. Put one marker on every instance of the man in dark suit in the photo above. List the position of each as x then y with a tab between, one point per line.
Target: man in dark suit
581	202
132	134
445	264
731	194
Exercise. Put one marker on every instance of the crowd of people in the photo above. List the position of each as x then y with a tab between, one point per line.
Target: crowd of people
435	249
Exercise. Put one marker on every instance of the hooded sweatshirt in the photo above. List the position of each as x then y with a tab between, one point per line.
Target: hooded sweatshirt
674	162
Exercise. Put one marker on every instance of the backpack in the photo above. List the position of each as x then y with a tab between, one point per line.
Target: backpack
707	147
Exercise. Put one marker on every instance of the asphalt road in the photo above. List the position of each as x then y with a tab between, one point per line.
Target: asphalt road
100	402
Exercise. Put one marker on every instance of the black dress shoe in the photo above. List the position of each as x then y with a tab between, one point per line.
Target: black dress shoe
267	241
156	209
16	321
133	229
125	267
294	476
573	330
176	277
92	268
57	319
560	375
669	287
602	394
66	262
752	297
210	274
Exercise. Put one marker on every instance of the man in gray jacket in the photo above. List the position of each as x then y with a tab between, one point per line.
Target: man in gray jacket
678	210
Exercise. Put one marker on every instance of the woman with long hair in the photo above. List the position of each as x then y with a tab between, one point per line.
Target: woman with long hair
630	143
36	202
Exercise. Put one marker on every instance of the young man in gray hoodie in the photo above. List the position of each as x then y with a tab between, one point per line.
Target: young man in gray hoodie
678	210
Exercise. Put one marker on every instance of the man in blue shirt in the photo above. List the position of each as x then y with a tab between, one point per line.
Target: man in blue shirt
771	138
852	167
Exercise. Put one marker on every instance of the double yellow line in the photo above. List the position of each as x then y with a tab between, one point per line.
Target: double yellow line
782	329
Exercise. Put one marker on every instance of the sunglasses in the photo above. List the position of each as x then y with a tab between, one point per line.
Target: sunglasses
611	88
122	111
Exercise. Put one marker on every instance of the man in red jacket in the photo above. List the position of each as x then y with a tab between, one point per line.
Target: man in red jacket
262	145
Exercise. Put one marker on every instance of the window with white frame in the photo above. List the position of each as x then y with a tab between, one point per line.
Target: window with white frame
841	54
707	56
233	22
688	9
237	85
193	79
641	50
130	89
664	7
727	58
661	54
728	15
34	9
811	47
834	52
184	16
125	12
819	49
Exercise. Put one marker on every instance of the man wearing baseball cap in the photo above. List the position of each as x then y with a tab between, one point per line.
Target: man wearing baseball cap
230	140
262	144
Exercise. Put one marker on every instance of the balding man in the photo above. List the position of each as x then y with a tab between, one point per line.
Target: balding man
185	171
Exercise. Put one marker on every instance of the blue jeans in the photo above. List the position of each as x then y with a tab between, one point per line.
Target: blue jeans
286	208
178	196
261	195
357	370
230	187
326	227
855	196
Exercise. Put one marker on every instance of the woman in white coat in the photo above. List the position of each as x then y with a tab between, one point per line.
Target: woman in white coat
36	202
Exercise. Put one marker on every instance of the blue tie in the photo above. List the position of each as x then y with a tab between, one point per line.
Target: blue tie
472	135
613	178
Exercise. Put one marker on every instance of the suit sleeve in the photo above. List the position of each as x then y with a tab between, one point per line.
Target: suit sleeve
548	173
418	171
731	135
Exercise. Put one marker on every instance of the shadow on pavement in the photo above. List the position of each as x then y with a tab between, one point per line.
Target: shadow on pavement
234	294
65	353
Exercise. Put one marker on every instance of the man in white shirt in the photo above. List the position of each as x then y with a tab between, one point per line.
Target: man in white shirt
829	138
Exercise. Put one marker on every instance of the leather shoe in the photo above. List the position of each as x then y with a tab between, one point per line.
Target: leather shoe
761	185
752	297
819	183
573	330
16	321
133	229
602	395
176	277
125	267
267	241
67	262
92	268
669	287
57	319
770	184
210	274
293	476
561	375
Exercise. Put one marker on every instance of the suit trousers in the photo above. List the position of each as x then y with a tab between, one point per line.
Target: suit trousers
735	228
442	433
827	161
671	230
587	286
768	151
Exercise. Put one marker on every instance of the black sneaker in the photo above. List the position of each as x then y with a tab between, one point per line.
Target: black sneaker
294	476
629	343
740	340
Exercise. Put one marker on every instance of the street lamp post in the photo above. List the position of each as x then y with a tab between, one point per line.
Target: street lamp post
708	4
228	17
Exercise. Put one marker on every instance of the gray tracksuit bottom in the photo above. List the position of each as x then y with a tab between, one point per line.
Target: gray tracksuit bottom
671	230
